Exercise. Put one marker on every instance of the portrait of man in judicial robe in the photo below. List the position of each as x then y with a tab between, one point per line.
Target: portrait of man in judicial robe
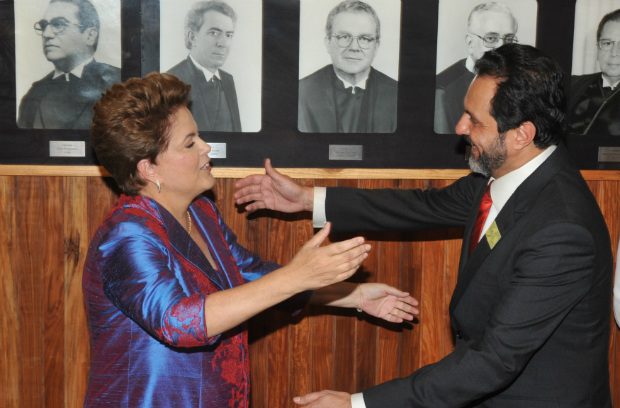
205	44
466	30
594	107
353	90
80	41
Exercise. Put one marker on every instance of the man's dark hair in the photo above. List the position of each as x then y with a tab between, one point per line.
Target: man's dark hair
87	16
612	16
530	88
196	15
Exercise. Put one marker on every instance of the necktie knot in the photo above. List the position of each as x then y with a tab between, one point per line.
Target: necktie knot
483	212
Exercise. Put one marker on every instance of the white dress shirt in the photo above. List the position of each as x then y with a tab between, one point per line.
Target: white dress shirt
77	71
208	74
501	191
360	84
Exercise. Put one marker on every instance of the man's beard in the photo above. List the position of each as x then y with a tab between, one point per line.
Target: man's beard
490	160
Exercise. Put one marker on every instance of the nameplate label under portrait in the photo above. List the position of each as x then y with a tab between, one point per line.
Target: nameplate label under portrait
70	148
345	152
609	154
218	150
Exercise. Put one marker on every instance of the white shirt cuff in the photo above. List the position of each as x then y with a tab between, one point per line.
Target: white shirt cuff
357	400
319	219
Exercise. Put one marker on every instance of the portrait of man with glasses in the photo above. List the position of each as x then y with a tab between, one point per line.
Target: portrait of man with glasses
595	97
63	99
349	95
489	25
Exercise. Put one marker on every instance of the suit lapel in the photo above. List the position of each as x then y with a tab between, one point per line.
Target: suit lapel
518	205
202	90
231	99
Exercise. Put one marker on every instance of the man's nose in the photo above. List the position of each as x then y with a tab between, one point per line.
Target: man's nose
462	127
48	32
222	41
615	49
355	45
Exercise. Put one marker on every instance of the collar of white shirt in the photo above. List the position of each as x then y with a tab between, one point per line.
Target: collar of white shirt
609	84
208	74
77	71
503	187
469	64
360	84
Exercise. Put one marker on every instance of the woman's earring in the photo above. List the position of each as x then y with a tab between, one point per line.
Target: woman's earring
158	185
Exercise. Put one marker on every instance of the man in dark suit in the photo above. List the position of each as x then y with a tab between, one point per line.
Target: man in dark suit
209	30
595	98
531	307
64	98
349	95
489	25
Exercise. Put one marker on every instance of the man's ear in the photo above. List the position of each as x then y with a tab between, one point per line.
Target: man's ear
147	170
525	134
468	40
326	42
191	38
91	36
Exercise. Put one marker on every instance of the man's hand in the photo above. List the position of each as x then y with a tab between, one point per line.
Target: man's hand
325	399
274	191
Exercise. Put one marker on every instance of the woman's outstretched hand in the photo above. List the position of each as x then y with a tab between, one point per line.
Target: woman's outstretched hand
316	266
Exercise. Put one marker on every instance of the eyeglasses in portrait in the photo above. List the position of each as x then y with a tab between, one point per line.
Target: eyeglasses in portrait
594	107
348	66
466	30
67	53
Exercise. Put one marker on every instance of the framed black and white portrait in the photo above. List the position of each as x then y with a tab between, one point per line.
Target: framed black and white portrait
594	103
198	38
466	29
66	55
349	55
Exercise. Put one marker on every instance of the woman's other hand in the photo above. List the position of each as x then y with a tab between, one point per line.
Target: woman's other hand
386	302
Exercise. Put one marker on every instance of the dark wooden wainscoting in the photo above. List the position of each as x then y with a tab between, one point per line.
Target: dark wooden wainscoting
46	223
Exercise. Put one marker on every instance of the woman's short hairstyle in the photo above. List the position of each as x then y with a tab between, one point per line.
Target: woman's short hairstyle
132	122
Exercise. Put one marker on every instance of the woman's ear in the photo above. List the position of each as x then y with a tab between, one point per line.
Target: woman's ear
147	170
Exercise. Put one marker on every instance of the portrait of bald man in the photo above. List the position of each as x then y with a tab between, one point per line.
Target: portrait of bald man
349	53
488	25
80	59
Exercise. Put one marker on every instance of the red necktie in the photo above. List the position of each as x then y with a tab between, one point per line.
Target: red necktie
483	212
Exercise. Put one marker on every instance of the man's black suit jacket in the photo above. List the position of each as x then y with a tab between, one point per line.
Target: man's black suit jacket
531	316
451	86
587	104
58	104
189	73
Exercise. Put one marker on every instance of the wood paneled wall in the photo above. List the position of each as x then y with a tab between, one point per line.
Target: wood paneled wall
45	227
